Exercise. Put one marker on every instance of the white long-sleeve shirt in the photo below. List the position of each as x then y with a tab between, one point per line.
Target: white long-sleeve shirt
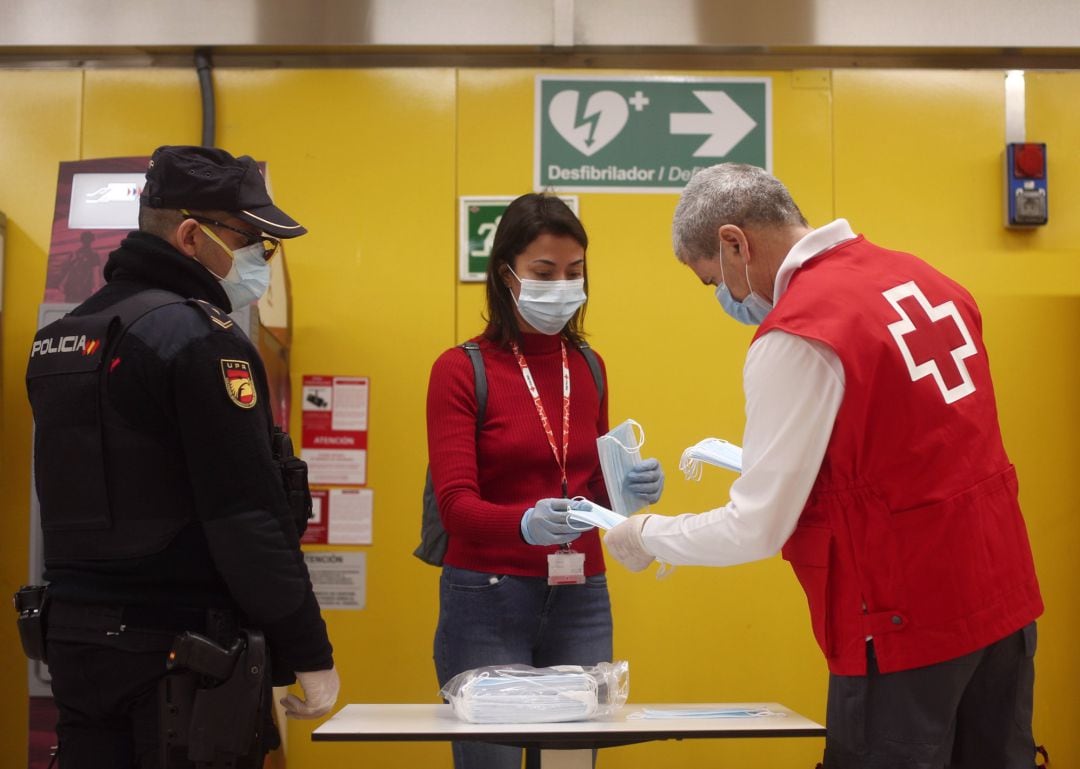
793	387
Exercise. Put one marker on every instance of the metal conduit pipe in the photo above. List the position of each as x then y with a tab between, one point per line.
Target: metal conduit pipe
206	91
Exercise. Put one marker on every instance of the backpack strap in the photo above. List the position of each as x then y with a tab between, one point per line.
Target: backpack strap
472	349
594	366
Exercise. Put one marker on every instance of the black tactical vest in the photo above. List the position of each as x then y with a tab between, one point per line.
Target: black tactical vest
106	491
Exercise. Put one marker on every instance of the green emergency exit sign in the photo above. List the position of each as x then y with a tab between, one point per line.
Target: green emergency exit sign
627	134
478	218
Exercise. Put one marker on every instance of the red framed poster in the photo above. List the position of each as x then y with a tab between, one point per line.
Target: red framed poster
334	429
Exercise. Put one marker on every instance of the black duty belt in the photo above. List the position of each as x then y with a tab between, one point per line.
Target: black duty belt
105	622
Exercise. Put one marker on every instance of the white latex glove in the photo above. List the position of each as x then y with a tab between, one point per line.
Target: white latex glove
320	693
625	544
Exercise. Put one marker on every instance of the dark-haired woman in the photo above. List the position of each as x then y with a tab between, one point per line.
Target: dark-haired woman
504	490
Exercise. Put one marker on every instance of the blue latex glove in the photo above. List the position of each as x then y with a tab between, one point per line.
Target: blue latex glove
546	524
646	480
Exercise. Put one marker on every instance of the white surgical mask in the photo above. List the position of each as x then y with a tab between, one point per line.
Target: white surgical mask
652	713
619	451
249	276
585	515
548	305
751	310
714	451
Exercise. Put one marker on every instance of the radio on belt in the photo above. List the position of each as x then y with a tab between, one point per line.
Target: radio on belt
1025	185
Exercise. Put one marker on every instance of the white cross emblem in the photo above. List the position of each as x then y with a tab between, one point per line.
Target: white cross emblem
936	350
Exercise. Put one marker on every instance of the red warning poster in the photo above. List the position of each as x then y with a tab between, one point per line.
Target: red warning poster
334	429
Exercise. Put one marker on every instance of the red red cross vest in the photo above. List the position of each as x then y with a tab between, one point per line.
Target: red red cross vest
912	533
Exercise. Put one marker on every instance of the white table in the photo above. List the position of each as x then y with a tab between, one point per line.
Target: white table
562	745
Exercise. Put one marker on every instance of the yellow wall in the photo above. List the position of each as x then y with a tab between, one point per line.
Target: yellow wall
372	161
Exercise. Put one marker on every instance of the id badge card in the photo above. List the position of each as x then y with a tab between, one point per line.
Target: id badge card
566	568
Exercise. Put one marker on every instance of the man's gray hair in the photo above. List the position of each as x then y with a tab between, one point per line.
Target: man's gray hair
729	193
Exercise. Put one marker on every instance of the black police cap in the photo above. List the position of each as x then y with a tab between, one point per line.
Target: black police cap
210	179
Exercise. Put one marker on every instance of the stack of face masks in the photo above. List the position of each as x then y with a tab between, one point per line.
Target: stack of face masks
520	694
620	450
713	451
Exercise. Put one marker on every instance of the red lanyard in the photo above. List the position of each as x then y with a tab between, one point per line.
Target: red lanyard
540	407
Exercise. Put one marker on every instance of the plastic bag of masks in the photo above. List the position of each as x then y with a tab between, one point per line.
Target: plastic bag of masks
520	694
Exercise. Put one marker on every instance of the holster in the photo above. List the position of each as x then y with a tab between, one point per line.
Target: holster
294	478
211	704
32	606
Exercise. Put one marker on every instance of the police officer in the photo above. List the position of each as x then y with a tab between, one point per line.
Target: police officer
162	504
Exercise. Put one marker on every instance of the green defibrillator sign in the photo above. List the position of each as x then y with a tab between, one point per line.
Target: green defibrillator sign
646	134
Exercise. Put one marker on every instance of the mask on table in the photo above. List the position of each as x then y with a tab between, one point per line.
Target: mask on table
653	713
548	305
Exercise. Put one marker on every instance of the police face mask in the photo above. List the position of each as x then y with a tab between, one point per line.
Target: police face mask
751	310
548	305
248	277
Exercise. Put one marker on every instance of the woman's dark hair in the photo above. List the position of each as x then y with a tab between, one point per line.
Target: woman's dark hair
524	220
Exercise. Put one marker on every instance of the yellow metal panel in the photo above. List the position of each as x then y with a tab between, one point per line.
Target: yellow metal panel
39	126
365	160
1053	114
919	164
133	111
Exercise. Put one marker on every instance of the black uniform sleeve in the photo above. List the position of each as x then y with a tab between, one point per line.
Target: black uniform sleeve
223	415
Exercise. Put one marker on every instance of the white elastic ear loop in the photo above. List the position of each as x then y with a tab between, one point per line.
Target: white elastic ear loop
690	465
639	435
571	522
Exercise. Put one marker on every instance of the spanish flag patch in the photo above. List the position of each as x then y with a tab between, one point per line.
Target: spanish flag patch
238	382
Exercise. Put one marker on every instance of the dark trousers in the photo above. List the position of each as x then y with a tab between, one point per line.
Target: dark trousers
107	699
105	677
973	712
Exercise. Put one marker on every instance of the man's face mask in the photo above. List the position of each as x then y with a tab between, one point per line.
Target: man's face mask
548	305
249	276
751	310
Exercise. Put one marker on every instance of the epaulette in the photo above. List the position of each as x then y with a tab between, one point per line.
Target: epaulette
218	317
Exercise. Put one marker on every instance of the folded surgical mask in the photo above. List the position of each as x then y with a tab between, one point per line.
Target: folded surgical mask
521	694
705	713
712	451
586	515
620	450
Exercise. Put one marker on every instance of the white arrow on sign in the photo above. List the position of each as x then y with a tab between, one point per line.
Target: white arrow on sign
726	122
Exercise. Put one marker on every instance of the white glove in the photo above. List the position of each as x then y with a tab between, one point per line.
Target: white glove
626	546
320	693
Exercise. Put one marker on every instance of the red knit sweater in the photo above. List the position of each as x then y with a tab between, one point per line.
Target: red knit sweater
485	486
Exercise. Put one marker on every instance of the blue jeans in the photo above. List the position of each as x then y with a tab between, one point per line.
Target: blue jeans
491	619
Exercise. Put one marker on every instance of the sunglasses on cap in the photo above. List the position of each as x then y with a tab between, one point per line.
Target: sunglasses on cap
270	245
